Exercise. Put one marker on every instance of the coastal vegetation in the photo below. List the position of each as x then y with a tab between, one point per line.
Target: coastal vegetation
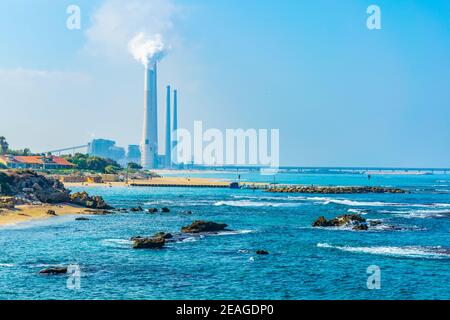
93	163
3	145
4	149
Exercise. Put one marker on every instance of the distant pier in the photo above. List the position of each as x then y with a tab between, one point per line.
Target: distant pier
356	170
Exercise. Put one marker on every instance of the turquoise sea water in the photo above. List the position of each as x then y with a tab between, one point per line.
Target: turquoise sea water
304	262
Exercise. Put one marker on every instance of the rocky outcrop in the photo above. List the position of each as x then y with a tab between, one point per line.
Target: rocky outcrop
33	187
83	199
51	213
203	226
7	202
148	243
29	187
54	270
360	227
374	223
100	212
164	235
334	190
348	220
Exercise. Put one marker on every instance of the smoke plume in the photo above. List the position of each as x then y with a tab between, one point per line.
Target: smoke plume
147	50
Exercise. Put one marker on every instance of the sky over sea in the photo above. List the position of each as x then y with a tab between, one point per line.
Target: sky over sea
340	94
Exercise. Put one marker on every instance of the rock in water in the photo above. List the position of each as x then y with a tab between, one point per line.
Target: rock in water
136	209
84	200
203	226
82	219
374	223
149	243
355	220
361	227
346	219
322	222
152	210
163	235
262	252
165	210
54	270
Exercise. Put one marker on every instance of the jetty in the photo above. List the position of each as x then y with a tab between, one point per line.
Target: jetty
333	189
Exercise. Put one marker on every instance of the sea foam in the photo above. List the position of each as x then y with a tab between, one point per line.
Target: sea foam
408	251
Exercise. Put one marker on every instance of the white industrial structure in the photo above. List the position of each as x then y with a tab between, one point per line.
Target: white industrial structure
149	144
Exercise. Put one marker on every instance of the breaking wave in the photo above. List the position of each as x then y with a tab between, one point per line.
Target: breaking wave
293	201
421	214
248	203
7	265
232	232
409	251
116	243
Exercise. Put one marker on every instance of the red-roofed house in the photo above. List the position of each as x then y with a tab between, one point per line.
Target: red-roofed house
35	162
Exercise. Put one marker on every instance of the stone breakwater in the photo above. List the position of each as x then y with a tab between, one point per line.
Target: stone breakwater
333	190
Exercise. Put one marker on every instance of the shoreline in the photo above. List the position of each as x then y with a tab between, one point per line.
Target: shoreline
160	181
27	213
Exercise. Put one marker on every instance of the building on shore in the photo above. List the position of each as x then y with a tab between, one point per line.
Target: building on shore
106	149
35	162
134	154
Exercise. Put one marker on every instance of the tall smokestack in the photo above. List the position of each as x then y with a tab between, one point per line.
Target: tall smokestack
149	144
175	123
168	132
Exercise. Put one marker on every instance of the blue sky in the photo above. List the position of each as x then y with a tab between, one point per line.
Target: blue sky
339	93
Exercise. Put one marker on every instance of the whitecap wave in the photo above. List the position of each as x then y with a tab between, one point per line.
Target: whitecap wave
358	211
248	203
353	203
293	201
422	214
408	251
116	243
231	232
190	239
7	265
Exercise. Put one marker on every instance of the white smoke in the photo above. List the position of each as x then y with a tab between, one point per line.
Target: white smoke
147	50
116	22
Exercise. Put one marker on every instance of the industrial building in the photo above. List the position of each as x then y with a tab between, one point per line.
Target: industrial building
106	149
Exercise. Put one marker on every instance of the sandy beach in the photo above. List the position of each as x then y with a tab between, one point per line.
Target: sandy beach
24	213
175	181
